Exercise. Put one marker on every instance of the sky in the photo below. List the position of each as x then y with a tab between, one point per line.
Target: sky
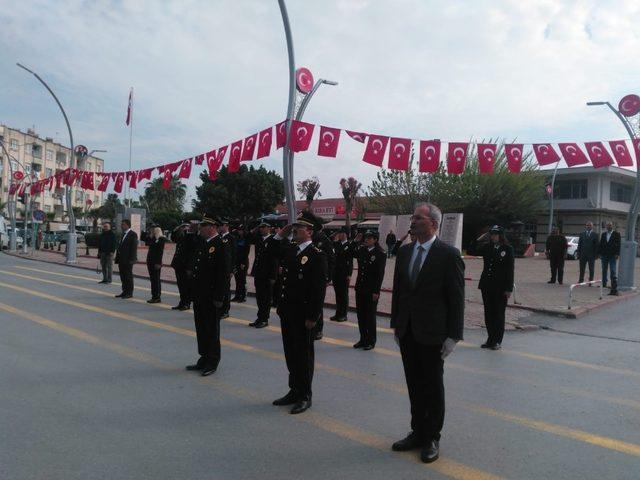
207	73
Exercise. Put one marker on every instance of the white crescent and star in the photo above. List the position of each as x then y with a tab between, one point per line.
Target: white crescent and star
400	147
516	152
543	149
456	150
488	153
329	135
621	149
596	148
267	137
301	129
373	144
250	142
431	149
304	79
571	150
233	150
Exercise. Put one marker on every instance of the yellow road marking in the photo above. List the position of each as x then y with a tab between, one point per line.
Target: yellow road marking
575	434
445	466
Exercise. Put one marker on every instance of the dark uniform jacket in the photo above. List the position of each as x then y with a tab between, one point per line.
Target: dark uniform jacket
211	269
587	244
371	264
344	259
303	280
557	246
156	249
612	247
231	239
321	241
242	252
265	263
128	249
107	242
185	249
433	308
497	274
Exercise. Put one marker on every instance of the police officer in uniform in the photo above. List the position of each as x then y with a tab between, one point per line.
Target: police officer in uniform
264	271
342	274
322	242
241	265
496	281
230	240
556	250
184	238
304	283
211	270
371	264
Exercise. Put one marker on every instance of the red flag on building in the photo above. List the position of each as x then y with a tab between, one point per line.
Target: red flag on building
598	154
621	153
399	153
513	152
545	154
328	142
132	177
59	179
248	148
199	159
572	154
185	168
486	157
104	182
281	134
357	136
457	157
300	136
87	182
130	108
374	151
166	179
264	142
119	182
429	156
234	157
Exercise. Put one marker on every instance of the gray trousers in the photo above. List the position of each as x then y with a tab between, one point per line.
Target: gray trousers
106	263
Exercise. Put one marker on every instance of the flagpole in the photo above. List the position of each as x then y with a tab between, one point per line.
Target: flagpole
126	192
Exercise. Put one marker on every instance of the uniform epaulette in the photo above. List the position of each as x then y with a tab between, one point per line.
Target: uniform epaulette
317	249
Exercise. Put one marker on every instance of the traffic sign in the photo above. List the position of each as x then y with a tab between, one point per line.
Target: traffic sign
38	215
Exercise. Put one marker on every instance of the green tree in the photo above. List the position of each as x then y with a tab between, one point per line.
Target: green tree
350	188
243	195
158	199
167	219
110	208
308	189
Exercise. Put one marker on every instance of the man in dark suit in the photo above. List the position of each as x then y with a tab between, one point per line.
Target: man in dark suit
427	314
556	249
264	271
609	251
226	237
185	238
587	251
241	265
126	257
323	243
342	274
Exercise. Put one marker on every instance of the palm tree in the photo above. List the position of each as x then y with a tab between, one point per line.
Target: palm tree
158	199
350	188
309	188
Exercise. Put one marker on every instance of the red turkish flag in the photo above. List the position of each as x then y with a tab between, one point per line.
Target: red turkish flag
457	157
249	148
281	134
572	154
199	159
12	188
264	142
50	181
59	177
374	151
621	153
185	168
133	179
119	182
166	179
486	157
636	148
87	181
21	189
214	160
234	157
104	182
399	153
300	136
429	156
145	174
357	136
545	154
598	154
66	177
328	142
513	152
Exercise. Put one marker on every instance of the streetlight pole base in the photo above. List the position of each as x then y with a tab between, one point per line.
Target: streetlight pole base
627	264
71	248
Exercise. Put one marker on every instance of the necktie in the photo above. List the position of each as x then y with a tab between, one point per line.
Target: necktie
417	265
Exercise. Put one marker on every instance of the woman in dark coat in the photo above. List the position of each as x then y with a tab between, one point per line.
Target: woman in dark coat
496	281
155	242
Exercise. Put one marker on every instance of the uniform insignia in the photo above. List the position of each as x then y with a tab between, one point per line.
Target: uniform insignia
373	258
224	240
212	249
503	253
304	260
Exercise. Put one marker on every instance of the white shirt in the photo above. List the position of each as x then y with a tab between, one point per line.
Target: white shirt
608	235
211	238
125	233
303	245
426	246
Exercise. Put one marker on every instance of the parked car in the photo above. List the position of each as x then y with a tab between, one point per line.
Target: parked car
62	235
572	251
5	239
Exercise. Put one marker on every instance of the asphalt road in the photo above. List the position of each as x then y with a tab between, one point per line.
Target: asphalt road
94	387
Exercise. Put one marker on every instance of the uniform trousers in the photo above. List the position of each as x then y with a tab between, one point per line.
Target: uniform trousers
366	309
240	276
184	286
495	305
299	353
207	320
154	278
556	262
341	287
264	290
423	371
583	263
126	277
106	264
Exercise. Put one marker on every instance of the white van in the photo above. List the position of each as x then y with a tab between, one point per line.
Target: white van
4	234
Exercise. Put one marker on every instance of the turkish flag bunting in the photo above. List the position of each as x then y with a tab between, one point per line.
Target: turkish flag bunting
328	142
429	156
281	134
21	189
264	142
545	154
145	174
33	189
59	176
87	181
119	182
399	153
185	168
114	175
374	151
234	157
166	179
74	175
104	183
66	177
50	181
486	157
572	154
636	148
456	157
200	159
598	154
214	160
12	188
300	136
513	152
357	136
621	153
132	177
249	148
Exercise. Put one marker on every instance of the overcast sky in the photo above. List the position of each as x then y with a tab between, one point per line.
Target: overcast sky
207	73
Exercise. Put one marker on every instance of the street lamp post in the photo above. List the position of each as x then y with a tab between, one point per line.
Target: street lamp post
553	187
12	204
71	240
629	246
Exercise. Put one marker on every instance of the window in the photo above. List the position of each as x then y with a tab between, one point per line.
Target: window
88	165
27	149
98	168
620	193
570	189
49	154
47	208
27	168
61	159
36	151
14	144
14	166
48	172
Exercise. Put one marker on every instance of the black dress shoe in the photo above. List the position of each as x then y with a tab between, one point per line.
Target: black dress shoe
126	296
260	324
333	318
184	307
224	315
613	292
289	399
301	406
495	346
486	345
318	336
254	323
341	319
410	442
359	344
551	281
430	452
154	300
120	295
369	347
199	365
208	370
177	307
